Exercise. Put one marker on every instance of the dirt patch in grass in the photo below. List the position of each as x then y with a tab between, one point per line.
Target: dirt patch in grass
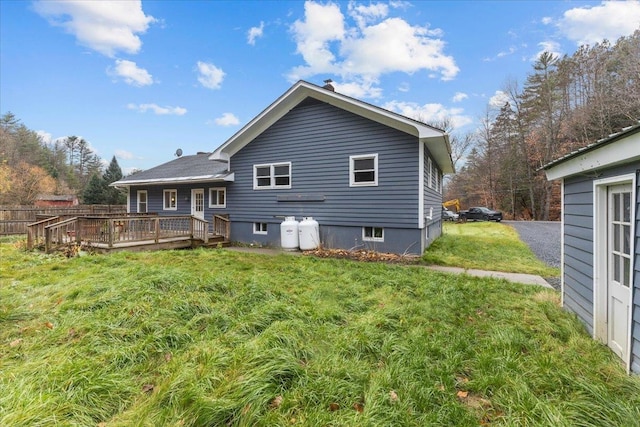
364	255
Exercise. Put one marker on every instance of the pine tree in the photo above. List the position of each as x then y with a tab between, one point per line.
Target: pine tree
95	192
114	196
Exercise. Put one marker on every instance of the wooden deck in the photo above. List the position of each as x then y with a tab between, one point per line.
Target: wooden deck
129	233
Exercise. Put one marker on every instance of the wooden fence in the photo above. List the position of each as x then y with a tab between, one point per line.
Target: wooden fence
14	219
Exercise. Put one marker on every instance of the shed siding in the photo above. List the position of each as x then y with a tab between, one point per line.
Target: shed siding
318	139
578	248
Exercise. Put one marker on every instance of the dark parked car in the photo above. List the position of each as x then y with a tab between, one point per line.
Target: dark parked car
481	214
447	215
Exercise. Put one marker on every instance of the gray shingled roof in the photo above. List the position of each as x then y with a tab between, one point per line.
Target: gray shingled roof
194	168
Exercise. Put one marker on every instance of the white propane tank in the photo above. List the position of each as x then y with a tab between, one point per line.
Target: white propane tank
289	233
309	233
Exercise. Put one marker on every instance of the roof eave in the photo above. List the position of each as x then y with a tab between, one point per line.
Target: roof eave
624	148
230	177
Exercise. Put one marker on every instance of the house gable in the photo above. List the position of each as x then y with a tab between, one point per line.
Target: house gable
436	140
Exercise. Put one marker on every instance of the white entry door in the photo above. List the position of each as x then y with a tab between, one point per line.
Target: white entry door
619	267
197	203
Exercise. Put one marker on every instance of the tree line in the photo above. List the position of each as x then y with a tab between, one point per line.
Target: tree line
31	167
565	104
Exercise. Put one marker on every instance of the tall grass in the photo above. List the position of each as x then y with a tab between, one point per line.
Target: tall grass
207	338
485	246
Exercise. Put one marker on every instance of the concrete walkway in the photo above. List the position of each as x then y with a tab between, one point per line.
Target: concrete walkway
526	279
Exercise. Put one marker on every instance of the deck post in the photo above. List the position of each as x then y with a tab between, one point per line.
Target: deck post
78	233
110	231
157	230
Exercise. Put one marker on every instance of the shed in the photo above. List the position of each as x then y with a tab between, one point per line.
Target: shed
601	239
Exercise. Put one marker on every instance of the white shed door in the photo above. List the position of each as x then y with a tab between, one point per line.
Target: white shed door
619	267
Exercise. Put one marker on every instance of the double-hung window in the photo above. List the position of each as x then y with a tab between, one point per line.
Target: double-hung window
218	197
170	200
275	175
142	201
363	170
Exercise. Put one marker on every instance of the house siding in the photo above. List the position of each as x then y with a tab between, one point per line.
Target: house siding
155	199
578	215
318	140
432	187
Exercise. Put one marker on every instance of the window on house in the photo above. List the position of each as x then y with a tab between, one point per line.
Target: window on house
218	197
277	175
373	234
142	201
363	170
434	176
170	200
259	228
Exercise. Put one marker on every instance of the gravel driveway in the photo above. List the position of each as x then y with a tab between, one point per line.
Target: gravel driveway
543	237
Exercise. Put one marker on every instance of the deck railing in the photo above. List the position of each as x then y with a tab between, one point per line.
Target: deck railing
60	234
36	231
113	231
222	227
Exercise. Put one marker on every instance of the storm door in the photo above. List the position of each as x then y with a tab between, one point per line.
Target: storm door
619	267
197	203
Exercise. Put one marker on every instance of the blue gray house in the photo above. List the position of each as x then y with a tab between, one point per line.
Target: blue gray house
601	240
371	178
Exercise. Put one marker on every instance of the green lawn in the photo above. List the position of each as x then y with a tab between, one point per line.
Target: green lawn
485	246
216	337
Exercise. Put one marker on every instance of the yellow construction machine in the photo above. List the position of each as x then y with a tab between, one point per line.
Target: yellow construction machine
454	202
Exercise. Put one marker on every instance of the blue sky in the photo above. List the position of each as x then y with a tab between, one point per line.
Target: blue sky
140	79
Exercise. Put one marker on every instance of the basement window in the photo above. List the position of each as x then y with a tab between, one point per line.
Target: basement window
373	234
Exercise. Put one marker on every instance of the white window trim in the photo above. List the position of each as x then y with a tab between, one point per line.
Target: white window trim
429	171
255	231
164	200
372	239
216	205
352	182
272	167
138	201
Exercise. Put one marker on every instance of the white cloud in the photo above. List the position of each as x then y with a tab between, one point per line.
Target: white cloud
210	76
430	112
45	137
104	26
498	99
131	73
155	108
254	33
323	24
359	89
124	155
404	87
547	20
459	96
547	46
374	45
367	14
227	119
608	20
